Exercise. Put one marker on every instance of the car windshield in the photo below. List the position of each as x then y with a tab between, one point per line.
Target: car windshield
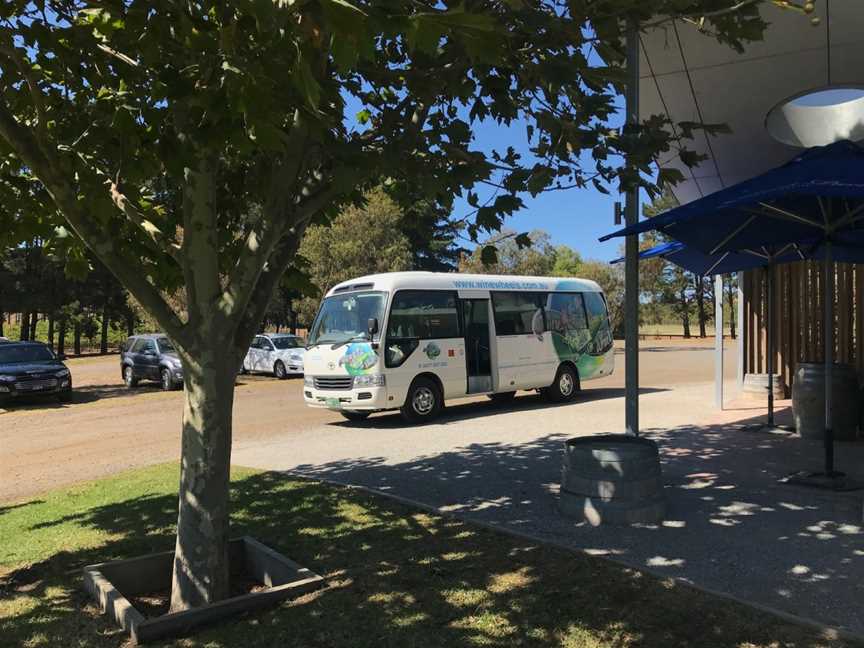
345	317
14	354
165	345
288	342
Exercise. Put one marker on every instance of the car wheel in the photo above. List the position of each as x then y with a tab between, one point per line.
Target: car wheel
355	416
424	401
503	397
279	370
129	378
565	387
165	380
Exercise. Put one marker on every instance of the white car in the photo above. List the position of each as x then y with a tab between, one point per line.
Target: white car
279	354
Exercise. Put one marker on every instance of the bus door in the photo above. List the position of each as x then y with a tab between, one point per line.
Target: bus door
478	353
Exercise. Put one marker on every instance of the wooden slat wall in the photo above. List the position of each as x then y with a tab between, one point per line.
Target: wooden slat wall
798	317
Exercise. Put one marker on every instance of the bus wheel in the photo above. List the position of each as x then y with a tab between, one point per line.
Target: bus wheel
355	416
503	397
565	387
424	401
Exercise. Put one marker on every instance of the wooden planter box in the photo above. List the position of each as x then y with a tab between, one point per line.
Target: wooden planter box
110	583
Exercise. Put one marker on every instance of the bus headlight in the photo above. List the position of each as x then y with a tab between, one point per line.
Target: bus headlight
369	380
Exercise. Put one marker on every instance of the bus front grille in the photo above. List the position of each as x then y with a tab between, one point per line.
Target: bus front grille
333	382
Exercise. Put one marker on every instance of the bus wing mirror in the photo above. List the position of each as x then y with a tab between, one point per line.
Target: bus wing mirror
537	324
372	326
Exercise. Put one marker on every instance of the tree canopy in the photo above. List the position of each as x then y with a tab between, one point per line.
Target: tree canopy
190	144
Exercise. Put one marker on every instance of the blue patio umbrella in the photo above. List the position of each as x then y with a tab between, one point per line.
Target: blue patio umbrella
702	264
814	204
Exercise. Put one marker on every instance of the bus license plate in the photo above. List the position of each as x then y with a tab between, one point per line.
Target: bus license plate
334	403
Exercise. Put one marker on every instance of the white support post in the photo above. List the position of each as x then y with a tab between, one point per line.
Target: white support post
718	341
740	332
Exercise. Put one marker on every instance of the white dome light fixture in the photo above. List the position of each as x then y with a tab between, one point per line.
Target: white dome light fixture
818	117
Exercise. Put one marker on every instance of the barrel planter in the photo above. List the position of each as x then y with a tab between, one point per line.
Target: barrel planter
808	401
755	387
612	479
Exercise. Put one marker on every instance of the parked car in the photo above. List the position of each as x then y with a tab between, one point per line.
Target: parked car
279	354
3	339
32	368
151	357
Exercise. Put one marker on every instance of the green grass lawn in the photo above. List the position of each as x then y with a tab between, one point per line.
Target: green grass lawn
396	576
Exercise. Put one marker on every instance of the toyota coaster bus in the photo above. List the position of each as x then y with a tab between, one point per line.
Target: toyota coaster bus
411	340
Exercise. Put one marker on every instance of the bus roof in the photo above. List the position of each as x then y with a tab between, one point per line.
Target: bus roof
391	281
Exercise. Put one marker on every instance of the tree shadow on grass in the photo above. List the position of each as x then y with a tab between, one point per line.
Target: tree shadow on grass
396	577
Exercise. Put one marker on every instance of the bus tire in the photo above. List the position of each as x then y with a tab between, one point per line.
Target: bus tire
565	386
424	401
502	397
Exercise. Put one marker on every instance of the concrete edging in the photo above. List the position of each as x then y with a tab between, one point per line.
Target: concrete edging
107	583
830	632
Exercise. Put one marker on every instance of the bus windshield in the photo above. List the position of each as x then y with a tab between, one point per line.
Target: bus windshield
342	318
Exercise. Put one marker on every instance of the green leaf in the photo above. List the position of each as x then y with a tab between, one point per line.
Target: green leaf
523	240
364	116
669	176
306	84
489	255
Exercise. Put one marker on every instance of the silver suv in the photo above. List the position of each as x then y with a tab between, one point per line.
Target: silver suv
151	357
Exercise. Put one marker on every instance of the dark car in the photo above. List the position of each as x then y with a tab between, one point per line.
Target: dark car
151	357
28	368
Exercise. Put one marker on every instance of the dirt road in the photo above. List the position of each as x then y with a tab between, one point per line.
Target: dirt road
107	428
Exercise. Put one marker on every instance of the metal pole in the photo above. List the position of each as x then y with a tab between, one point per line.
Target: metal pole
740	332
631	249
718	341
769	312
829	358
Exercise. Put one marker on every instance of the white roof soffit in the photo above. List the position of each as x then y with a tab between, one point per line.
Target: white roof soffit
689	76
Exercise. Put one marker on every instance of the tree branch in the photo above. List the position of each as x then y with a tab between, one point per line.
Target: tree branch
158	241
58	184
8	50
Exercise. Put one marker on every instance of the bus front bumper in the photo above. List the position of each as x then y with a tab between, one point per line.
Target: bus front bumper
359	399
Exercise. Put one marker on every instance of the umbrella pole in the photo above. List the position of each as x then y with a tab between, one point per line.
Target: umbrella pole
828	326
769	294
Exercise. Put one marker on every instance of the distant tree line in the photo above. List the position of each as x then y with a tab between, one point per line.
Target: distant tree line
39	300
672	294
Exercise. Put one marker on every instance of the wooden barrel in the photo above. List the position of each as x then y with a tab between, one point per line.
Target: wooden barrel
808	401
612	479
755	387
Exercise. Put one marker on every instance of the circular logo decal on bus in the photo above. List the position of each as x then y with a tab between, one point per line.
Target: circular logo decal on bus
432	350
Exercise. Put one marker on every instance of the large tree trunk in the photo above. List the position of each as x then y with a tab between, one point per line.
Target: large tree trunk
201	554
103	340
700	303
130	324
24	334
34	318
2	321
50	330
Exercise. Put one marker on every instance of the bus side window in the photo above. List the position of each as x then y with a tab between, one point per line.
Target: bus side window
598	323
516	312
567	318
419	315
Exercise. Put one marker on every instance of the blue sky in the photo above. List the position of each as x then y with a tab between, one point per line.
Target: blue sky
574	217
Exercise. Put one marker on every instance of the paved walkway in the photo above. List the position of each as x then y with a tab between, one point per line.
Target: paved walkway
730	526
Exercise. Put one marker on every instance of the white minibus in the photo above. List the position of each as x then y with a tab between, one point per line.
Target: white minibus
411	340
